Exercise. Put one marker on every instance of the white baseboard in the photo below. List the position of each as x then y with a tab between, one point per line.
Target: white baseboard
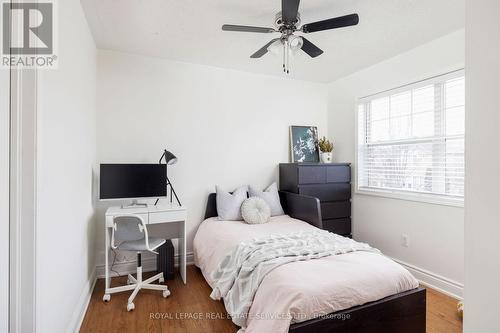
130	266
435	281
83	303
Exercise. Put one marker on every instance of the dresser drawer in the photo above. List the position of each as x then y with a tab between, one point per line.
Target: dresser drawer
327	192
335	210
312	175
338	226
169	216
338	174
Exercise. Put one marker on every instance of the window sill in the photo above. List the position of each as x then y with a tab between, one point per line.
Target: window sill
424	198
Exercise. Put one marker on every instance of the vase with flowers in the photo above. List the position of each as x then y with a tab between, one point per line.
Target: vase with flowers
326	148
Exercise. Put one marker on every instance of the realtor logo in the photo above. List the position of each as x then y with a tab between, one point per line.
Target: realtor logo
28	34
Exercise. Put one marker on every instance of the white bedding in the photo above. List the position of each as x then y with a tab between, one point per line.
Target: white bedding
300	291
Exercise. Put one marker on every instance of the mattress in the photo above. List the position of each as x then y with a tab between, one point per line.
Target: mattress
304	290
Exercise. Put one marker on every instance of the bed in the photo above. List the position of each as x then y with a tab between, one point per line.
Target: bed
352	292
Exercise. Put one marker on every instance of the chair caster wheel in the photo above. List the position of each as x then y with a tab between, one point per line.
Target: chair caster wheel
129	281
161	280
106	297
130	306
166	293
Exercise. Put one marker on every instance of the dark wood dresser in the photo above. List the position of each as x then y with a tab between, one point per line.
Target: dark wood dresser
330	183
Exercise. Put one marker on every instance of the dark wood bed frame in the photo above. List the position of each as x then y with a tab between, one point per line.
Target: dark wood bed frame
400	313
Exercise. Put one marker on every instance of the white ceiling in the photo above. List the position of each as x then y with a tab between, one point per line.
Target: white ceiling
190	31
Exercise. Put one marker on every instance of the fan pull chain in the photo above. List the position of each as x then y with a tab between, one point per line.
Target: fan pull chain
284	56
288	59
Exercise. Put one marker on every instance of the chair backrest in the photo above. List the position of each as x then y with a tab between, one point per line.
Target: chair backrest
128	228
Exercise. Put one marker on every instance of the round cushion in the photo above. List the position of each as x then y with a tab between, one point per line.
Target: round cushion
255	210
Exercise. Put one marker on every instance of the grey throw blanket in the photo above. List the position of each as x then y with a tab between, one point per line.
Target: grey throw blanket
240	273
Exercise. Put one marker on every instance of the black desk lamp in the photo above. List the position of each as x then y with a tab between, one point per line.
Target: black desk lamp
169	160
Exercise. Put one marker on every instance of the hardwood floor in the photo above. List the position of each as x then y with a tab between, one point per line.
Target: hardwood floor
442	314
190	309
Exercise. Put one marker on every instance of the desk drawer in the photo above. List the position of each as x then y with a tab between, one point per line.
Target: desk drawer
164	217
109	218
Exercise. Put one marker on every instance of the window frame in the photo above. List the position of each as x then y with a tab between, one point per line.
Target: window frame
438	199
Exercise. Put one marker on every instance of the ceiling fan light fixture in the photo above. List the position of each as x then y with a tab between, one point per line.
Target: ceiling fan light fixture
276	48
295	43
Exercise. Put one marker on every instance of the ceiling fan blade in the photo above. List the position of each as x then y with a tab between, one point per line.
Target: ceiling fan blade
246	28
263	50
338	22
289	10
312	50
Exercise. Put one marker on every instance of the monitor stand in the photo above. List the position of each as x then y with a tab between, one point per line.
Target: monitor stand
134	204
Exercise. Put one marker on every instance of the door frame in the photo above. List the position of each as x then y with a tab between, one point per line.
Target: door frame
22	198
4	197
23	201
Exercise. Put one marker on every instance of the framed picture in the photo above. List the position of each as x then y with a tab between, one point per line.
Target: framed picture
304	144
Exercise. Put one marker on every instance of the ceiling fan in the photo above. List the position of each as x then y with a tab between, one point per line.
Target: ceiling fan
287	22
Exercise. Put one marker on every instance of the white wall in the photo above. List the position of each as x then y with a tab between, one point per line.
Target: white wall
226	127
66	157
436	232
482	221
4	198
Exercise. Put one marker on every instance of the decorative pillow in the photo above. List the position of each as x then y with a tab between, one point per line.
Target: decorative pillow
271	197
255	211
229	205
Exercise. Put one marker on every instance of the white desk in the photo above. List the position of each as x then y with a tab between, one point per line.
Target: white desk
160	214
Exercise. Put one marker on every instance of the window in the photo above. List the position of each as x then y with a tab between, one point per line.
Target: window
411	140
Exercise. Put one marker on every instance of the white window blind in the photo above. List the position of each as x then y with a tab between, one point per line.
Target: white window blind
411	139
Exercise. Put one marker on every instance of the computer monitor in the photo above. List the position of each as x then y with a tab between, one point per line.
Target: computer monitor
132	181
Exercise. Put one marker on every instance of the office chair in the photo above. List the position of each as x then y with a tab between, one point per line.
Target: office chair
129	233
